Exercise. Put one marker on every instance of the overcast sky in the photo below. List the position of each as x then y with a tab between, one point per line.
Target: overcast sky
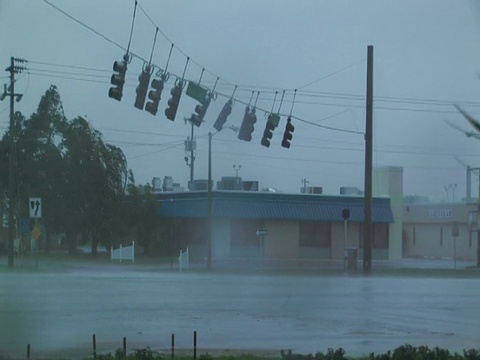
426	58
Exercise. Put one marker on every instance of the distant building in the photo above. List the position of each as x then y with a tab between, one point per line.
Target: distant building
297	226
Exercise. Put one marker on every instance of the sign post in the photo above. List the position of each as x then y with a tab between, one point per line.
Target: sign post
346	216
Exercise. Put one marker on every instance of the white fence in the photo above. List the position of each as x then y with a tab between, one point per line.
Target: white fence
123	253
183	260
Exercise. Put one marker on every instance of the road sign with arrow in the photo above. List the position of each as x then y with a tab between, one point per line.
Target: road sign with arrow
35	207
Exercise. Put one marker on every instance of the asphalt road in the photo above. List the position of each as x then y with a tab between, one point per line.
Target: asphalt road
58	311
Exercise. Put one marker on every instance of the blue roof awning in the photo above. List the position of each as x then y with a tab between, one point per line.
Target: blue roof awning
257	205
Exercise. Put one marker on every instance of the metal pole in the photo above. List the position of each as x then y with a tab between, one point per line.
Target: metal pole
11	169
478	227
209	256
469	190
192	156
455	252
345	246
367	227
94	341
194	345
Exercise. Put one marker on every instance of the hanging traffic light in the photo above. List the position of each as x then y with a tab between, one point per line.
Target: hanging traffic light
118	80
287	135
247	127
176	92
154	95
200	110
143	82
222	117
268	132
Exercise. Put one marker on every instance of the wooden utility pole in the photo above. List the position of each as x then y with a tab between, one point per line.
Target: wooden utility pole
367	225
209	210
12	159
11	168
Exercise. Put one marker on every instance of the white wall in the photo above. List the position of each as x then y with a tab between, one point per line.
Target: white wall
388	181
221	239
282	241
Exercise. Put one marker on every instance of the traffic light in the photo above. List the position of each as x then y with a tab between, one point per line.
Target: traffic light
143	82
268	132
247	127
171	110
200	110
154	95
222	117
287	135
118	80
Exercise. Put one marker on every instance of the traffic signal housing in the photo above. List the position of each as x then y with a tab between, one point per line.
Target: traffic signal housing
154	95
142	88
118	80
247	127
288	134
222	117
268	132
171	110
200	110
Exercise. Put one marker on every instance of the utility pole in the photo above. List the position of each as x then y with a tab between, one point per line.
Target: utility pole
12	159
209	210
304	185
190	149
192	157
367	225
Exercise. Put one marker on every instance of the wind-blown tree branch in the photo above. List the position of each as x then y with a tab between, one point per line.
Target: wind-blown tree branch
97	173
40	163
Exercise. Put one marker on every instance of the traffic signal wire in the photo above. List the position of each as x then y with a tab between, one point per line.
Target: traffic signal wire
303	93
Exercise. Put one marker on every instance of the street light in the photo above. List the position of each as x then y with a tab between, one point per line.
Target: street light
237	168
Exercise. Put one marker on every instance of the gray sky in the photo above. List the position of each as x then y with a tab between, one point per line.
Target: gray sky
426	57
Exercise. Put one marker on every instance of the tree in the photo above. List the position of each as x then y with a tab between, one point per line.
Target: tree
40	163
79	178
476	125
96	173
140	213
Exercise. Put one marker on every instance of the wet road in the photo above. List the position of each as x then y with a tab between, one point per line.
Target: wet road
58	311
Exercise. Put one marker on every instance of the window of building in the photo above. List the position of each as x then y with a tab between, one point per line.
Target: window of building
314	234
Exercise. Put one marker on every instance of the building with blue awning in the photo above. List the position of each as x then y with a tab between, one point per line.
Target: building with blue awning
298	226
